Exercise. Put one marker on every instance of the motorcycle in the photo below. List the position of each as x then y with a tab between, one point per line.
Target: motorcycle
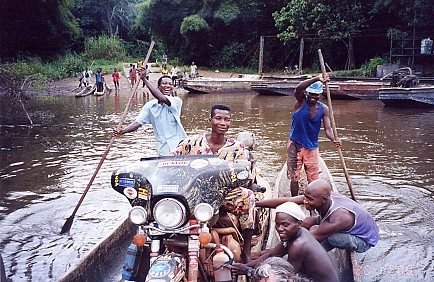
176	203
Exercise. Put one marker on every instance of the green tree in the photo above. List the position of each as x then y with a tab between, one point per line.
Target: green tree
109	17
336	20
37	27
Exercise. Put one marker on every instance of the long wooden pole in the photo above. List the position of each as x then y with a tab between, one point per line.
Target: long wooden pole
335	132
67	226
261	55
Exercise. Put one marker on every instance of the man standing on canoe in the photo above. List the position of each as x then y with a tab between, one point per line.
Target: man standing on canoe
306	125
342	223
240	201
304	252
163	113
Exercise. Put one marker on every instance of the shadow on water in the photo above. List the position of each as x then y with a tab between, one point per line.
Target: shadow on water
44	170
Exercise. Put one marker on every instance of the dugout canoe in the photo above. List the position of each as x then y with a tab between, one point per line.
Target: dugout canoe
104	262
415	97
229	85
344	261
88	90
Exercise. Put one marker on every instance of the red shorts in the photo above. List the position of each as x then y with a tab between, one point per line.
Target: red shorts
299	156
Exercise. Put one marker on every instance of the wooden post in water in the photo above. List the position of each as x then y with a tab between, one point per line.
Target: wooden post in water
300	59
261	55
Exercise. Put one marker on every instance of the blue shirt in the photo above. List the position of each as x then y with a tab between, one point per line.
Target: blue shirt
166	123
305	130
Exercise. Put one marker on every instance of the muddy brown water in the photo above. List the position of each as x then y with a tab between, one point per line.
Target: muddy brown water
45	169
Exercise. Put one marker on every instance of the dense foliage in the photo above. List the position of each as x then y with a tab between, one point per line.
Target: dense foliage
221	33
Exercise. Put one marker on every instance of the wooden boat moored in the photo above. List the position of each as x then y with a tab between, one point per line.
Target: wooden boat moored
417	97
88	90
228	85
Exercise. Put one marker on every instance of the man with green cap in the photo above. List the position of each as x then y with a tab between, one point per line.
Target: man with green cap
306	124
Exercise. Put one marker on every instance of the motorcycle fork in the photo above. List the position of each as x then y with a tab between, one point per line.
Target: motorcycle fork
193	258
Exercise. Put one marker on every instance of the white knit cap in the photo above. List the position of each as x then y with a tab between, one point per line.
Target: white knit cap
292	209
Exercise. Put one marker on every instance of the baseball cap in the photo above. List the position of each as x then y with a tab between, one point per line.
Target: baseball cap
315	88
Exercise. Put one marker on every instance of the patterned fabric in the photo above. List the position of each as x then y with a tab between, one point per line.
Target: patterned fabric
299	156
240	201
197	145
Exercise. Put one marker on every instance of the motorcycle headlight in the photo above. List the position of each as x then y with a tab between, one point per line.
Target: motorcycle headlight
203	212
138	215
169	213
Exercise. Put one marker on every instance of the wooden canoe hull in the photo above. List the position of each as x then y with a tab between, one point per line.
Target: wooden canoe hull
343	260
208	86
339	90
88	90
419	97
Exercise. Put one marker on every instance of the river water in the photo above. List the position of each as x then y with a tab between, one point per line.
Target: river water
45	169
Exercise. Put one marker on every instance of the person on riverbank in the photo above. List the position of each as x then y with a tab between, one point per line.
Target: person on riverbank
115	76
341	223
164	61
241	201
306	125
163	113
174	74
99	75
133	75
305	254
87	73
193	70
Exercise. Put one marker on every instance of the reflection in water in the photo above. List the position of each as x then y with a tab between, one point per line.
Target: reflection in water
44	170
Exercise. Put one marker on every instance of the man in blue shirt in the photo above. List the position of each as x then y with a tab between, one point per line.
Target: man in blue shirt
306	124
164	114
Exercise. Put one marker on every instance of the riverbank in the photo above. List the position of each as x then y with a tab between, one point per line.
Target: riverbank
69	86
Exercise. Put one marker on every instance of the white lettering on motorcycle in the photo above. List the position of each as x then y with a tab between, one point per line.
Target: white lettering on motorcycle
168	188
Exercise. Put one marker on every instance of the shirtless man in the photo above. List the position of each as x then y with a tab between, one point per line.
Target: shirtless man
305	254
342	223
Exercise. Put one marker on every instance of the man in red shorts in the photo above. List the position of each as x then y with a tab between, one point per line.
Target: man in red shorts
306	125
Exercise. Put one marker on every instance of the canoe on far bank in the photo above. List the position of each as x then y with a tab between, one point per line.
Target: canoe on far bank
227	85
344	261
416	97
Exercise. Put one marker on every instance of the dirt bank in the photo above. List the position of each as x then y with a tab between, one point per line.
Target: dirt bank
69	86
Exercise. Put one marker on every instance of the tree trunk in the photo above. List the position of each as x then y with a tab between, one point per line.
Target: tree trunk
350	47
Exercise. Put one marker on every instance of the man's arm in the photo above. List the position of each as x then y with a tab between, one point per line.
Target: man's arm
273	203
327	127
278	251
340	220
130	128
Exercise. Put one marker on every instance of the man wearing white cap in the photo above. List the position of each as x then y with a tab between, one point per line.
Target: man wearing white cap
304	252
306	124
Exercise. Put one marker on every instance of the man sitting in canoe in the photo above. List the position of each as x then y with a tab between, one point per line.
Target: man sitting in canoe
305	254
342	223
240	201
